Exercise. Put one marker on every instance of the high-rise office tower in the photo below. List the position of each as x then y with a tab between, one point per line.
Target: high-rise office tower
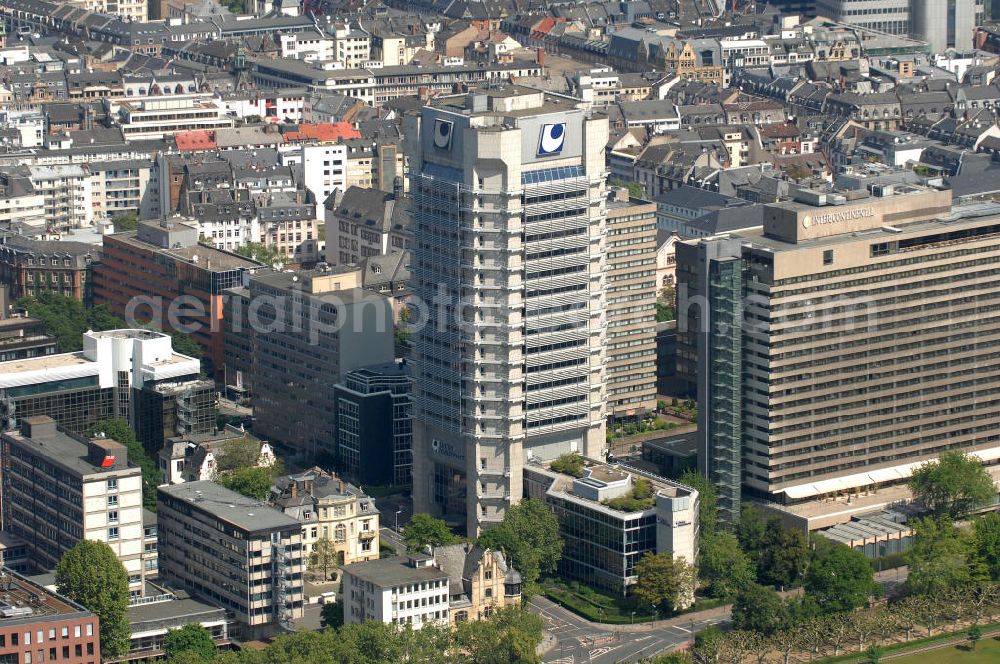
866	332
946	24
509	225
891	16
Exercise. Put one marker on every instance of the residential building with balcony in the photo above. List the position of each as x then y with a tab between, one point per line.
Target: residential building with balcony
234	552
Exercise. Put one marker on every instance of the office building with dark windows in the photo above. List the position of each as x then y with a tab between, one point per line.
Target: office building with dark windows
374	407
509	237
605	538
305	330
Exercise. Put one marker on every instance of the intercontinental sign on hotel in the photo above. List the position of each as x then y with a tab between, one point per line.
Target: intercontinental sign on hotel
836	217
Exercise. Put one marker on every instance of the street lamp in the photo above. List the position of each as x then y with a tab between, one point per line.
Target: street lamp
397	521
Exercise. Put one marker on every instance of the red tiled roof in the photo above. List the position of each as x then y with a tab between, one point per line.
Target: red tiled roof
195	139
327	131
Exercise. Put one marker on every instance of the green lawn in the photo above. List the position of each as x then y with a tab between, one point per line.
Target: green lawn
987	652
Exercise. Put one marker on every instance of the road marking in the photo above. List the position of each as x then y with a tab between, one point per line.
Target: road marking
597	652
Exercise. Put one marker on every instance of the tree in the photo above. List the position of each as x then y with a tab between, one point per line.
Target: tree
424	530
939	558
635	190
251	482
331	615
323	556
191	639
975	633
708	500
570	464
723	565
874	654
120	431
66	318
510	635
708	646
640	497
666	305
986	540
839	578
954	483
125	222
263	254
664	582
672	658
240	453
186	345
750	531
783	556
759	609
92	575
529	537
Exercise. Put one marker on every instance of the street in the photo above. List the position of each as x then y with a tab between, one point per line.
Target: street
579	641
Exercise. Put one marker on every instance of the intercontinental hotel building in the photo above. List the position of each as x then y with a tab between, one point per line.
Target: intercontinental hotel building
846	342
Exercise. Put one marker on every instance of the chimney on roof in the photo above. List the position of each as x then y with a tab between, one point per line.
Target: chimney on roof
295	488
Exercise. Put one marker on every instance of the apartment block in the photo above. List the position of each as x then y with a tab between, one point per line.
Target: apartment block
67	191
399	590
30	267
20	202
60	488
631	299
452	584
509	241
234	552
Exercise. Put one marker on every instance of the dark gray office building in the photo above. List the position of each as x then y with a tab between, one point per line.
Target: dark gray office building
375	424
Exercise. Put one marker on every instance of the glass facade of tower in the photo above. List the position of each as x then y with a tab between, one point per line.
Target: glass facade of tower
724	382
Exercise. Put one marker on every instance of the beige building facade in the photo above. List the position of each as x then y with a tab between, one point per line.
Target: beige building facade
330	509
868	340
510	231
631	298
